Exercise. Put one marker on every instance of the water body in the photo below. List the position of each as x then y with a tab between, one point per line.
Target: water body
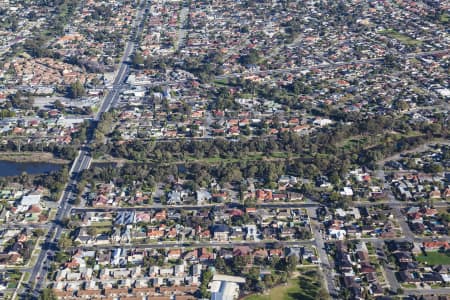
9	168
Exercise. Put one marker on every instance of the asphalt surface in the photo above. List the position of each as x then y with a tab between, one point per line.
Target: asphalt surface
188	207
396	204
326	267
38	272
124	69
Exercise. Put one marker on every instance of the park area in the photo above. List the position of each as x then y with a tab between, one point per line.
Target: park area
307	286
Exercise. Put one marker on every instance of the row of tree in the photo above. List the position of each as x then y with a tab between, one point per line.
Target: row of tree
381	136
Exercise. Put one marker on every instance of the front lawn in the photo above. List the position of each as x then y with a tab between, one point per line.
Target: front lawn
434	258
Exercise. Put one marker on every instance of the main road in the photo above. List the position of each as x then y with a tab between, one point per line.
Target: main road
82	162
124	68
38	272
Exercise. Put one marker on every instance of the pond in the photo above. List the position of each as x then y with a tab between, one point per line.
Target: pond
9	168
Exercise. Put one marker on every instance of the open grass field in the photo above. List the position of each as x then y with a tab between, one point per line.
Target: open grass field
304	287
401	37
434	258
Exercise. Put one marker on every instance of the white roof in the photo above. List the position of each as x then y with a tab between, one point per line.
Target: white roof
444	92
340	212
226	291
214	286
30	200
237	279
348	189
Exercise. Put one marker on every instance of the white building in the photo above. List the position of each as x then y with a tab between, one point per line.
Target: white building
224	290
347	191
30	200
27	201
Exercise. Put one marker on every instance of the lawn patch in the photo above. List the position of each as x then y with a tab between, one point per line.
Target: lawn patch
304	287
434	258
106	223
401	37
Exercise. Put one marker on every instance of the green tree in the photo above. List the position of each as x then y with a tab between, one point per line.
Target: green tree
238	264
291	263
77	200
76	90
65	243
250	59
268	280
401	105
220	264
92	231
38	232
206	278
138	60
391	61
47	294
58	105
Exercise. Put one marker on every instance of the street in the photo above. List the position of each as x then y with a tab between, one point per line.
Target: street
198	244
38	272
325	266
